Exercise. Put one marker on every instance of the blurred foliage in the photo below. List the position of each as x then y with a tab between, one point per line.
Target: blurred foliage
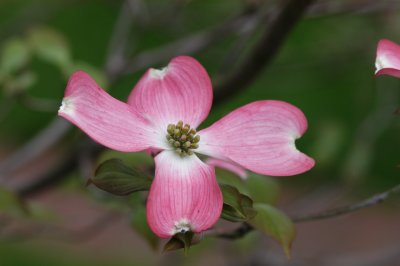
331	72
11	204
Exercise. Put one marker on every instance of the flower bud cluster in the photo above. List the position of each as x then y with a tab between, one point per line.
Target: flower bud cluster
182	138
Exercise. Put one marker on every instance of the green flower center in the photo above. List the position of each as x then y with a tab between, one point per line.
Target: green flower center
182	138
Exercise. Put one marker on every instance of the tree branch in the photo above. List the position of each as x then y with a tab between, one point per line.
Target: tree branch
246	228
58	128
119	39
194	43
264	51
35	147
333	8
371	201
68	163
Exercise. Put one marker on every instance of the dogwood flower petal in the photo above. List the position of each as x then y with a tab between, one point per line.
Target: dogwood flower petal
387	58
184	195
180	91
106	120
259	136
230	166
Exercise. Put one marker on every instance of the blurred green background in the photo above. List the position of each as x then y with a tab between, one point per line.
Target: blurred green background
325	67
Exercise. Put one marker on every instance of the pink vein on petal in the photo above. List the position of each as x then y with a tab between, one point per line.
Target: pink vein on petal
387	58
180	91
108	121
259	136
184	192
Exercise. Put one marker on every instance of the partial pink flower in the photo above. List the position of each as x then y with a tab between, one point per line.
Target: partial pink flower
230	166
162	114
387	58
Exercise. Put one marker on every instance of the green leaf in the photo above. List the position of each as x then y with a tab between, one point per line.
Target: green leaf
259	188
173	244
229	178
18	84
139	224
11	204
179	241
274	223
116	178
262	189
247	205
15	55
49	45
237	207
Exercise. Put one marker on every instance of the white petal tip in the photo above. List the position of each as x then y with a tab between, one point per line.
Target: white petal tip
182	226
378	65
66	107
158	73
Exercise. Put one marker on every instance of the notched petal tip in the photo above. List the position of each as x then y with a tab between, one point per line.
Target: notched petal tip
177	62
66	107
181	227
158	73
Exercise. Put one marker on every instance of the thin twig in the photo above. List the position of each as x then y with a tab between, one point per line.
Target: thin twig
264	51
245	228
119	40
374	200
233	55
194	43
334	8
57	172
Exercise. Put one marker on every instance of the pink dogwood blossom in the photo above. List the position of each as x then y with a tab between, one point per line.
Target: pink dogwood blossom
387	58
162	114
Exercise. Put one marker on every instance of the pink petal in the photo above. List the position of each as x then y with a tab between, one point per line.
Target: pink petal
387	58
108	121
180	91
184	195
261	137
230	166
